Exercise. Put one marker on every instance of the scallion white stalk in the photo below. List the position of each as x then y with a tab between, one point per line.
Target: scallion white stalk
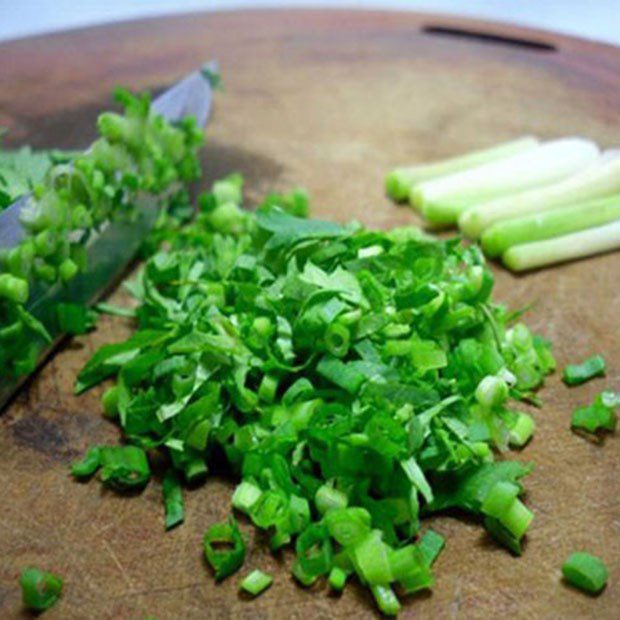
444	199
565	248
547	224
600	179
398	183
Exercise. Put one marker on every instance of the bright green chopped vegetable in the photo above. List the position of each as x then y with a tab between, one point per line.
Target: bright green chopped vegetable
571	218
40	590
431	545
400	181
565	248
224	548
600	179
74	319
21	170
599	416
352	379
586	572
137	152
256	582
173	499
123	468
576	374
443	200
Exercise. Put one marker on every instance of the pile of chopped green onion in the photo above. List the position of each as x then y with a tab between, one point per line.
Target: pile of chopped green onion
531	203
353	381
74	196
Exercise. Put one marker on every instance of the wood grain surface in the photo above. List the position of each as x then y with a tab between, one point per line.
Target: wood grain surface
331	101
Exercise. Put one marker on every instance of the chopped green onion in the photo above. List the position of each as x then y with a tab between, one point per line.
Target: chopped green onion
549	224
492	392
386	599
586	572
348	526
256	582
522	430
565	248
229	559
124	467
372	560
399	182
113	310
40	590
327	498
14	289
598	180
88	465
75	319
246	495
599	416
337	579
502	535
576	374
431	544
444	199
173	500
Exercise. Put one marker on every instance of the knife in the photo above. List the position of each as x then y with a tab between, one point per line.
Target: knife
110	252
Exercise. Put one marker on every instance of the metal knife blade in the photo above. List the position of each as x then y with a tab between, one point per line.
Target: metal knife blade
111	252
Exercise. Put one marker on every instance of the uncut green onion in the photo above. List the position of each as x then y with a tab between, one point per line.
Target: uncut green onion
224	548
548	224
173	500
586	572
596	181
576	374
40	590
443	200
570	247
399	182
256	582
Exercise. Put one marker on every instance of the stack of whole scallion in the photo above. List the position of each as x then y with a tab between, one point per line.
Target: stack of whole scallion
353	380
529	202
72	201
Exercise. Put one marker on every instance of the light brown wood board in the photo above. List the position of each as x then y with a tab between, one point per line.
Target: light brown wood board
329	100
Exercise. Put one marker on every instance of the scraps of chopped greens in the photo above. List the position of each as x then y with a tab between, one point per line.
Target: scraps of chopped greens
40	590
352	380
599	416
586	572
576	374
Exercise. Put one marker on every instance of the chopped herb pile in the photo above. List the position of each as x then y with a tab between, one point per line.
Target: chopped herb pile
40	590
586	572
353	380
72	201
576	374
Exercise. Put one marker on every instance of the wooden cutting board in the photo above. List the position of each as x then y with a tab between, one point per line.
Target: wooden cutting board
329	100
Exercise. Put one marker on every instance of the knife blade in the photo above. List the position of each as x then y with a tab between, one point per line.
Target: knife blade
110	252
